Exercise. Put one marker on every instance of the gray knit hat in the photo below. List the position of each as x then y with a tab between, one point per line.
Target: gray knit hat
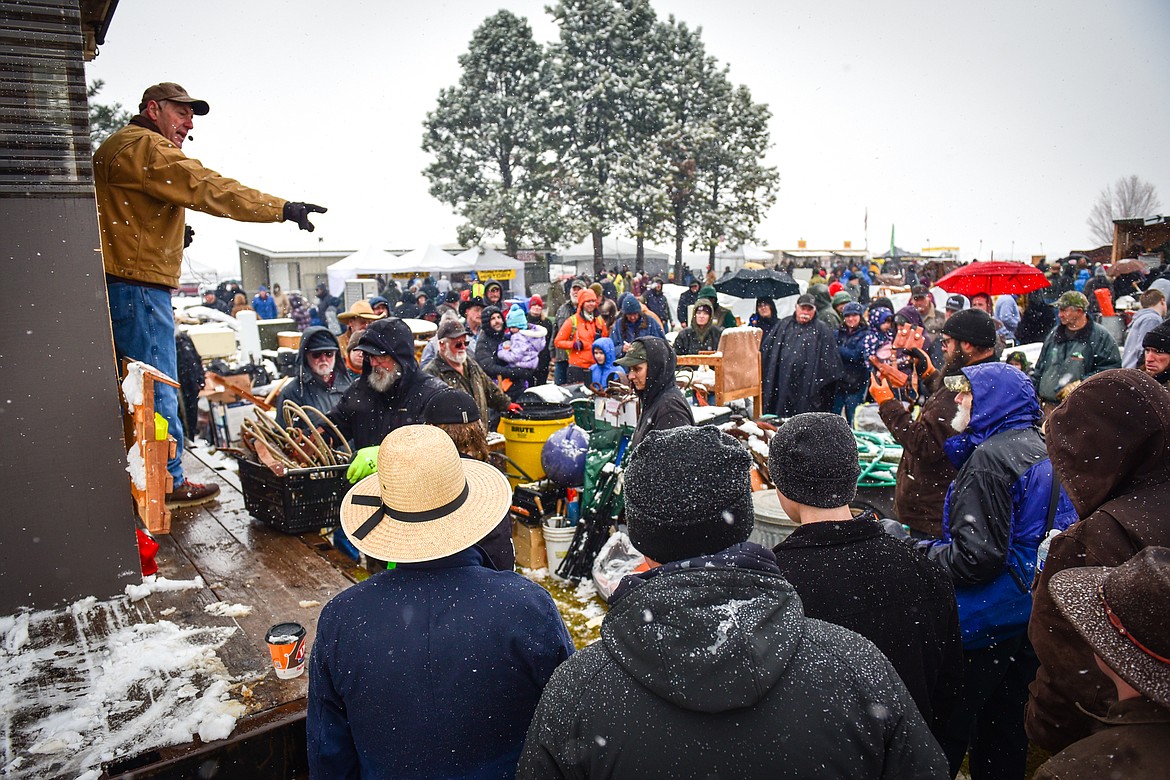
813	460
688	492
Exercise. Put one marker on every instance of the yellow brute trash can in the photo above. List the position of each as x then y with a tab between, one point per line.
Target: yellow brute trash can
525	433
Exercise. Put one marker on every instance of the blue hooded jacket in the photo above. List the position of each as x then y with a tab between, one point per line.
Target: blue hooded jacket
601	372
999	500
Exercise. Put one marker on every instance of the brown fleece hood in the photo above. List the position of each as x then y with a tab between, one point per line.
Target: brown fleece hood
1110	437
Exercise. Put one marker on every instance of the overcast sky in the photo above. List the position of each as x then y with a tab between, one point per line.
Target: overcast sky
988	126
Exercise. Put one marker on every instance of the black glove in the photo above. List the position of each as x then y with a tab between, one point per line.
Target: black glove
188	235
299	213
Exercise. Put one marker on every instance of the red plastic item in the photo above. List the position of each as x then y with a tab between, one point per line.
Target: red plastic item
1105	301
147	547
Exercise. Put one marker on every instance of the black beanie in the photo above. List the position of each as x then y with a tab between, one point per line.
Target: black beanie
971	325
688	493
813	460
1158	338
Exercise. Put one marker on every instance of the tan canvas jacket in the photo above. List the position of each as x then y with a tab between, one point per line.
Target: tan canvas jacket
144	182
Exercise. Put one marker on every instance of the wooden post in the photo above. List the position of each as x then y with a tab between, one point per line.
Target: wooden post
151	502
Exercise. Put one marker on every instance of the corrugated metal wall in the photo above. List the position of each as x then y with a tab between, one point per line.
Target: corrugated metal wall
44	114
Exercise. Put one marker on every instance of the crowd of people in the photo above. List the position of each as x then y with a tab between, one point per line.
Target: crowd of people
860	645
1019	595
960	631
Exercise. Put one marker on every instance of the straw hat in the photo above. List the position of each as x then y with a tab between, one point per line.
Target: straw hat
425	502
361	309
1120	611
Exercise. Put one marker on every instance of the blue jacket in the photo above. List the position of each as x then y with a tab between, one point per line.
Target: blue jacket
430	670
851	345
265	307
623	332
995	509
601	372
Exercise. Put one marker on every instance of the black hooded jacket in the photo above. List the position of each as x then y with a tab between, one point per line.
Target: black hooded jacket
709	668
487	347
306	388
364	416
663	404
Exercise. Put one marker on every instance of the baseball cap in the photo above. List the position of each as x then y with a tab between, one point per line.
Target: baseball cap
1072	299
919	291
636	355
169	90
451	329
806	300
956	303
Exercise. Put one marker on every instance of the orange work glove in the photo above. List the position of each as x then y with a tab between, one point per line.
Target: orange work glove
879	389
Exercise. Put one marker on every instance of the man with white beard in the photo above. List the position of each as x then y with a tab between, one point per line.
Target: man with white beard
1000	505
455	370
391	392
321	377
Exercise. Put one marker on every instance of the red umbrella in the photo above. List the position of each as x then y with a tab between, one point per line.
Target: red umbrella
994	277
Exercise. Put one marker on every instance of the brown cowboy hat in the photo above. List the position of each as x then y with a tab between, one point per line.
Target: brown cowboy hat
361	309
1121	613
424	502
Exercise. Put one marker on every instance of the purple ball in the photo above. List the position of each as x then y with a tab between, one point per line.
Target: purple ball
563	456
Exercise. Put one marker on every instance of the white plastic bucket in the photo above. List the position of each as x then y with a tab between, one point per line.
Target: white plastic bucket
556	544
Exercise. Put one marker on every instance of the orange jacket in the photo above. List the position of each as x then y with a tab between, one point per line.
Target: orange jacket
577	328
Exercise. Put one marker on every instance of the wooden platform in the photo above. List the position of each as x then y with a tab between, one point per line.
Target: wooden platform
241	562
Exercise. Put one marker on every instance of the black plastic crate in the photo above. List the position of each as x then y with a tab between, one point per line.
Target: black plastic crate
302	500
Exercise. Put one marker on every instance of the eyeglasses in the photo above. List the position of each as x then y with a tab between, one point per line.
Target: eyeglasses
324	353
461	343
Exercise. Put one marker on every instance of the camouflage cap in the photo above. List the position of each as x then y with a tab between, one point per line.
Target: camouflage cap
1072	300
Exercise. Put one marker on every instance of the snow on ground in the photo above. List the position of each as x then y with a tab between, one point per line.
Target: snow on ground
580	606
122	688
155	583
223	609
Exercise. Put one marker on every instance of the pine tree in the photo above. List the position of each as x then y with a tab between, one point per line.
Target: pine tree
486	135
596	88
693	93
105	119
733	185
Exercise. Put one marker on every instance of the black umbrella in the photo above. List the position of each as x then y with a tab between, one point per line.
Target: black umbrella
757	283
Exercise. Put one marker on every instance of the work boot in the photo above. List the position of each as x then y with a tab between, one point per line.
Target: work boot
191	494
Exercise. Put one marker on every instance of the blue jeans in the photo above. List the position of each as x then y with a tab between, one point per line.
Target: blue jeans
144	329
560	372
850	401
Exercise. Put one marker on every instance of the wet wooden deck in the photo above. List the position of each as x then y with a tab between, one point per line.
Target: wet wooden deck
281	577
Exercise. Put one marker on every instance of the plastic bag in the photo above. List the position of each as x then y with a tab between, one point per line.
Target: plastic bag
616	559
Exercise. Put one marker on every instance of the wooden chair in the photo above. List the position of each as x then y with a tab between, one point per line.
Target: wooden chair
150	501
738	367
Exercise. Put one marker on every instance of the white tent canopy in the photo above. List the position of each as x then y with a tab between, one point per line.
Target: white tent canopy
484	261
370	260
746	253
614	250
426	259
430	258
